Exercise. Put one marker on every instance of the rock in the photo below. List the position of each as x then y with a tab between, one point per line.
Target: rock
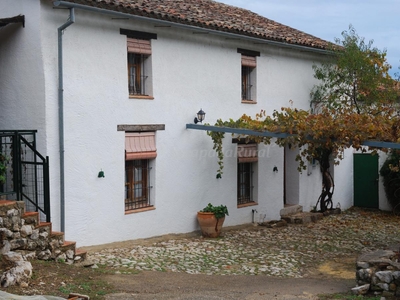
383	286
361	290
26	230
44	255
362	265
12	257
78	296
7	296
6	247
384	276
274	223
70	254
21	271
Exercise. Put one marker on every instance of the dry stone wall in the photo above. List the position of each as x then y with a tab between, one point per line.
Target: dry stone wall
378	272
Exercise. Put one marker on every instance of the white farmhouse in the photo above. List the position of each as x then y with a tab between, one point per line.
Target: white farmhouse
110	86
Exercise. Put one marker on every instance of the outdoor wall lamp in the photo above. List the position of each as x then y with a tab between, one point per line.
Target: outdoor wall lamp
101	174
275	169
201	115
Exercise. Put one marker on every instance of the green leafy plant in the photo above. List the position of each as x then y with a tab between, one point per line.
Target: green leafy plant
3	168
390	172
219	211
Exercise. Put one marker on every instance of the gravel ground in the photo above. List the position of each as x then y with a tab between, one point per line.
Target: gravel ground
286	252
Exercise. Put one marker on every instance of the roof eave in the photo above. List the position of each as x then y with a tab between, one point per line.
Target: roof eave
221	31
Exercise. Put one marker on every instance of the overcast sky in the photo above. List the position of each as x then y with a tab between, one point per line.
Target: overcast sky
376	20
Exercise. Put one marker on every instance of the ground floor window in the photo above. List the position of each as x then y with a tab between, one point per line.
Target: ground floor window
140	154
137	184
245	183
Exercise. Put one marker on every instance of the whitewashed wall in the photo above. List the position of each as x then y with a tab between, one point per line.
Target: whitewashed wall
22	87
189	72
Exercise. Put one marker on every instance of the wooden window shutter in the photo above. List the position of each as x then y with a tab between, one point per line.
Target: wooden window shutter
247	153
139	46
249	61
140	145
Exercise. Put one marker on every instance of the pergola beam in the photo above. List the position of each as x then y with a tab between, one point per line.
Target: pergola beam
241	131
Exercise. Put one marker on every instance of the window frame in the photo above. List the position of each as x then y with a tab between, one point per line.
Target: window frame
248	75
247	173
136	62
142	88
248	83
134	202
245	184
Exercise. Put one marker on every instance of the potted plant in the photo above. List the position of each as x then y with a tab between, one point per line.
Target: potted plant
211	218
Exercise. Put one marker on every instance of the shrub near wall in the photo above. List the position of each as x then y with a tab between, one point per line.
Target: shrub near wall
390	172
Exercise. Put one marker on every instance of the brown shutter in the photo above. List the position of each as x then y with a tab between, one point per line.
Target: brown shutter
139	46
247	153
249	61
140	145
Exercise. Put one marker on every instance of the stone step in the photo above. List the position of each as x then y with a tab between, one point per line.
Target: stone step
291	210
80	253
7	205
52	240
44	227
303	218
31	218
58	235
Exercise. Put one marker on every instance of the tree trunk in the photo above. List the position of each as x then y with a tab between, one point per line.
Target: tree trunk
328	185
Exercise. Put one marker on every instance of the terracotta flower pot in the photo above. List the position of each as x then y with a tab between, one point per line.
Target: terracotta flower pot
210	226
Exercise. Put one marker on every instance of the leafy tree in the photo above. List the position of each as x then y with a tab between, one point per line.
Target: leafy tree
357	75
354	102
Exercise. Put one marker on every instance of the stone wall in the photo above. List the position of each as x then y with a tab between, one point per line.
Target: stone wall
378	272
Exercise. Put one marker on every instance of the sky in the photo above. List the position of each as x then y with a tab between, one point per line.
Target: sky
375	20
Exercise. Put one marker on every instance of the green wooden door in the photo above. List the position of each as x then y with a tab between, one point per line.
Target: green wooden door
366	180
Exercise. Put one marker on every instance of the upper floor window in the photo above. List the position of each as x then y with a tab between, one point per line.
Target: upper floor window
139	63
139	70
249	64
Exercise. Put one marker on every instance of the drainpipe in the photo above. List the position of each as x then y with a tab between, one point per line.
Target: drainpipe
60	29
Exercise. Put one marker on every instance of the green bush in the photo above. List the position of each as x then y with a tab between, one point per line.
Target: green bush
219	211
390	172
3	168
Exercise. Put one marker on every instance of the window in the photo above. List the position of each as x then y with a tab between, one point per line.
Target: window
139	63
248	77
247	159
140	153
249	64
245	183
137	188
139	70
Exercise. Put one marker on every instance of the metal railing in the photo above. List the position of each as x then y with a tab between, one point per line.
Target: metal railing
26	175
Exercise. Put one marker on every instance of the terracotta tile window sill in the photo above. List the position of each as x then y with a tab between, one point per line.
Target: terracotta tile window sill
139	210
249	101
141	97
247	204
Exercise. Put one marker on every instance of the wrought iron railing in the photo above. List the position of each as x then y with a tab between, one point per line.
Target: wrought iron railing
26	175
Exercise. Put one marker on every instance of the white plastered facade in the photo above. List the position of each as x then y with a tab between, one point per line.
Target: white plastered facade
189	72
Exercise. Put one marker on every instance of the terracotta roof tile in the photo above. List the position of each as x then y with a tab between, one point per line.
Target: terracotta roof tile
211	15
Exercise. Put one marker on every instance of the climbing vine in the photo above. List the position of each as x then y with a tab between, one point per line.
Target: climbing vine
318	136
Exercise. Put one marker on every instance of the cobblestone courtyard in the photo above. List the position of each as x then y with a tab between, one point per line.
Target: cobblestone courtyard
287	252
